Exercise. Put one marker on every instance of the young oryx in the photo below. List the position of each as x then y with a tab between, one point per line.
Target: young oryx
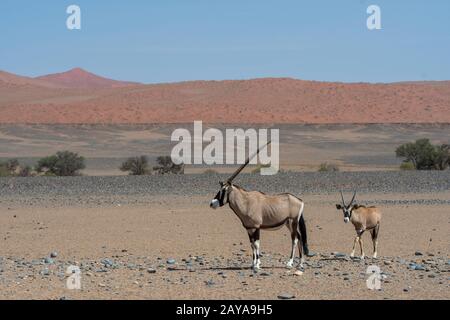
257	211
363	218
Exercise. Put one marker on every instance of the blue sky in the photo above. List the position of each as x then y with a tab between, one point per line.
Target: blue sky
175	40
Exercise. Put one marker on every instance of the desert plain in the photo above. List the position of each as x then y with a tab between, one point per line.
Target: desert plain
155	237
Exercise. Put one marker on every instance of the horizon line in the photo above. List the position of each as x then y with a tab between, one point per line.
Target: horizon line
221	80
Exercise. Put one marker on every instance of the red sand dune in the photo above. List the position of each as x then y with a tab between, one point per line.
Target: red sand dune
79	78
81	97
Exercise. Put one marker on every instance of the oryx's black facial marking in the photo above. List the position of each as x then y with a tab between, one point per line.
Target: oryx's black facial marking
221	197
347	210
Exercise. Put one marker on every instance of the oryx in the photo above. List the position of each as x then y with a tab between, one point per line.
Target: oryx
363	218
257	211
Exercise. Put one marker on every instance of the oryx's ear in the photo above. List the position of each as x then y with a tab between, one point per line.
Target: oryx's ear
339	207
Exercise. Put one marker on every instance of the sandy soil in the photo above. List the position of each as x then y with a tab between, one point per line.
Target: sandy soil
216	252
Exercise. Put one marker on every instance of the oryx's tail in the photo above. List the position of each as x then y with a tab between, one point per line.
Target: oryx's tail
302	229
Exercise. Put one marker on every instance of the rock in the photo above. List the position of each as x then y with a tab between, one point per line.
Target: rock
210	283
419	267
346	278
45	272
151	270
339	255
286	296
48	260
53	254
298	273
418	253
170	261
107	263
265	274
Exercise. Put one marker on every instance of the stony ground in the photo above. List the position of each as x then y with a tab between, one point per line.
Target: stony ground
156	238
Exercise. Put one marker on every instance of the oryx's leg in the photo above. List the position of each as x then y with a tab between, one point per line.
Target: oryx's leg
360	233
374	234
253	235
257	247
300	250
354	246
294	239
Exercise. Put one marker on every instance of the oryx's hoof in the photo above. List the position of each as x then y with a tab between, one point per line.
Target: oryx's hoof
362	257
352	255
290	264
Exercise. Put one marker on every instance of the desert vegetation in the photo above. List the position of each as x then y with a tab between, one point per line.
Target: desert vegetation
138	166
12	168
63	163
166	166
423	155
328	167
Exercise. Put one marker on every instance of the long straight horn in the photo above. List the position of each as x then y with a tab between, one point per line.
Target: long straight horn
354	195
342	197
230	179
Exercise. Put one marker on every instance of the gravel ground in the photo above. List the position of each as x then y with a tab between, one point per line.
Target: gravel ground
155	237
131	190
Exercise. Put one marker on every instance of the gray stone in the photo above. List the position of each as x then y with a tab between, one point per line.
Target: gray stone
286	296
48	260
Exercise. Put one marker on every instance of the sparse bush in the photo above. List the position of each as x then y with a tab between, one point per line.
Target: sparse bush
166	166
12	168
328	167
441	157
12	165
137	166
258	168
63	163
407	166
425	156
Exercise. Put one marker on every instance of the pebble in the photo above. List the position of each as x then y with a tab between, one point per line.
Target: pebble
151	270
286	296
418	253
45	272
170	261
53	254
298	273
210	283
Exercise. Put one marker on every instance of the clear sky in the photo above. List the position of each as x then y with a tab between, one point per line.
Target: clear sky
174	40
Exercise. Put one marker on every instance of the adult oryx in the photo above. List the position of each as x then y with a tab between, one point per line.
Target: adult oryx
363	218
257	211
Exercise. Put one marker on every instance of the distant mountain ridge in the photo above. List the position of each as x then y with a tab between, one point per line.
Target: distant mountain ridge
79	78
78	96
